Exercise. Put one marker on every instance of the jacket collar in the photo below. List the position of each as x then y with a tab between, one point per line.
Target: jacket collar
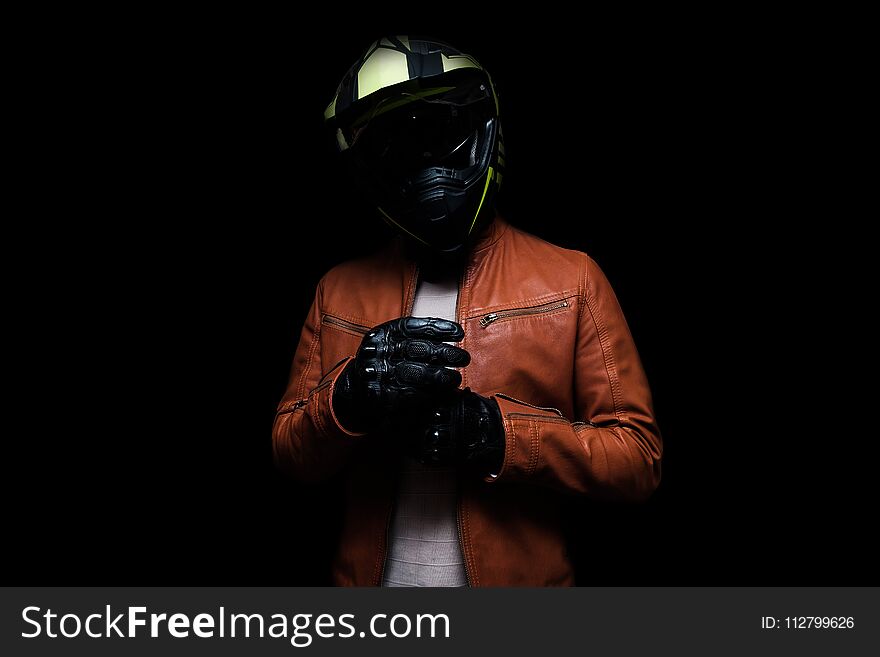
490	234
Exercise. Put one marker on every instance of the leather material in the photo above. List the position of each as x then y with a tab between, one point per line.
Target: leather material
399	363
548	343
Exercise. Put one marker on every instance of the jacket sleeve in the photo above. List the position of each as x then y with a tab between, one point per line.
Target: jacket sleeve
307	440
612	450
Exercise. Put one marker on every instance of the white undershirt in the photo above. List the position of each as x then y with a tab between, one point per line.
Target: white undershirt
423	545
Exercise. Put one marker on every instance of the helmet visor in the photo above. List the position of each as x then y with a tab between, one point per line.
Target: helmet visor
408	132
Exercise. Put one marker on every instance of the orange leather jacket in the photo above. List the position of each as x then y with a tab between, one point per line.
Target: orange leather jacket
548	341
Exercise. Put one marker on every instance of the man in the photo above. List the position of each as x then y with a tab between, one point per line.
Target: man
468	375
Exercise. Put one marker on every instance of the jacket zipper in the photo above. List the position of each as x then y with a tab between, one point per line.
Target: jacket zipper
549	409
520	401
411	302
485	320
463	277
467	572
388	519
344	324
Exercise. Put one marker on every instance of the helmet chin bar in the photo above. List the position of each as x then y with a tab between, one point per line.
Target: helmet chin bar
442	212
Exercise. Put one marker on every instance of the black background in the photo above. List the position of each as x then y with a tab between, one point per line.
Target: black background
188	204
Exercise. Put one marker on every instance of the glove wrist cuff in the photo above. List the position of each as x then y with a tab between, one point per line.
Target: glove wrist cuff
483	428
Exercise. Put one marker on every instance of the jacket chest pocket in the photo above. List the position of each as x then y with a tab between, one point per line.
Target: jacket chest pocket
525	349
525	311
340	338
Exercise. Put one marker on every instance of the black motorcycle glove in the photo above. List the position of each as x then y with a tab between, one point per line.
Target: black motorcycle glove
401	363
467	431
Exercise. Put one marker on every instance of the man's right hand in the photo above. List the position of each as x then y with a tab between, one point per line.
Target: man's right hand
401	363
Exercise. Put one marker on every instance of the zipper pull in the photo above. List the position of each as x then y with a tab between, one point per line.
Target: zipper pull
488	319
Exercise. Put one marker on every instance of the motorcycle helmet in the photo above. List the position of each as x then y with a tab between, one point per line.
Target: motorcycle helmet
417	121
